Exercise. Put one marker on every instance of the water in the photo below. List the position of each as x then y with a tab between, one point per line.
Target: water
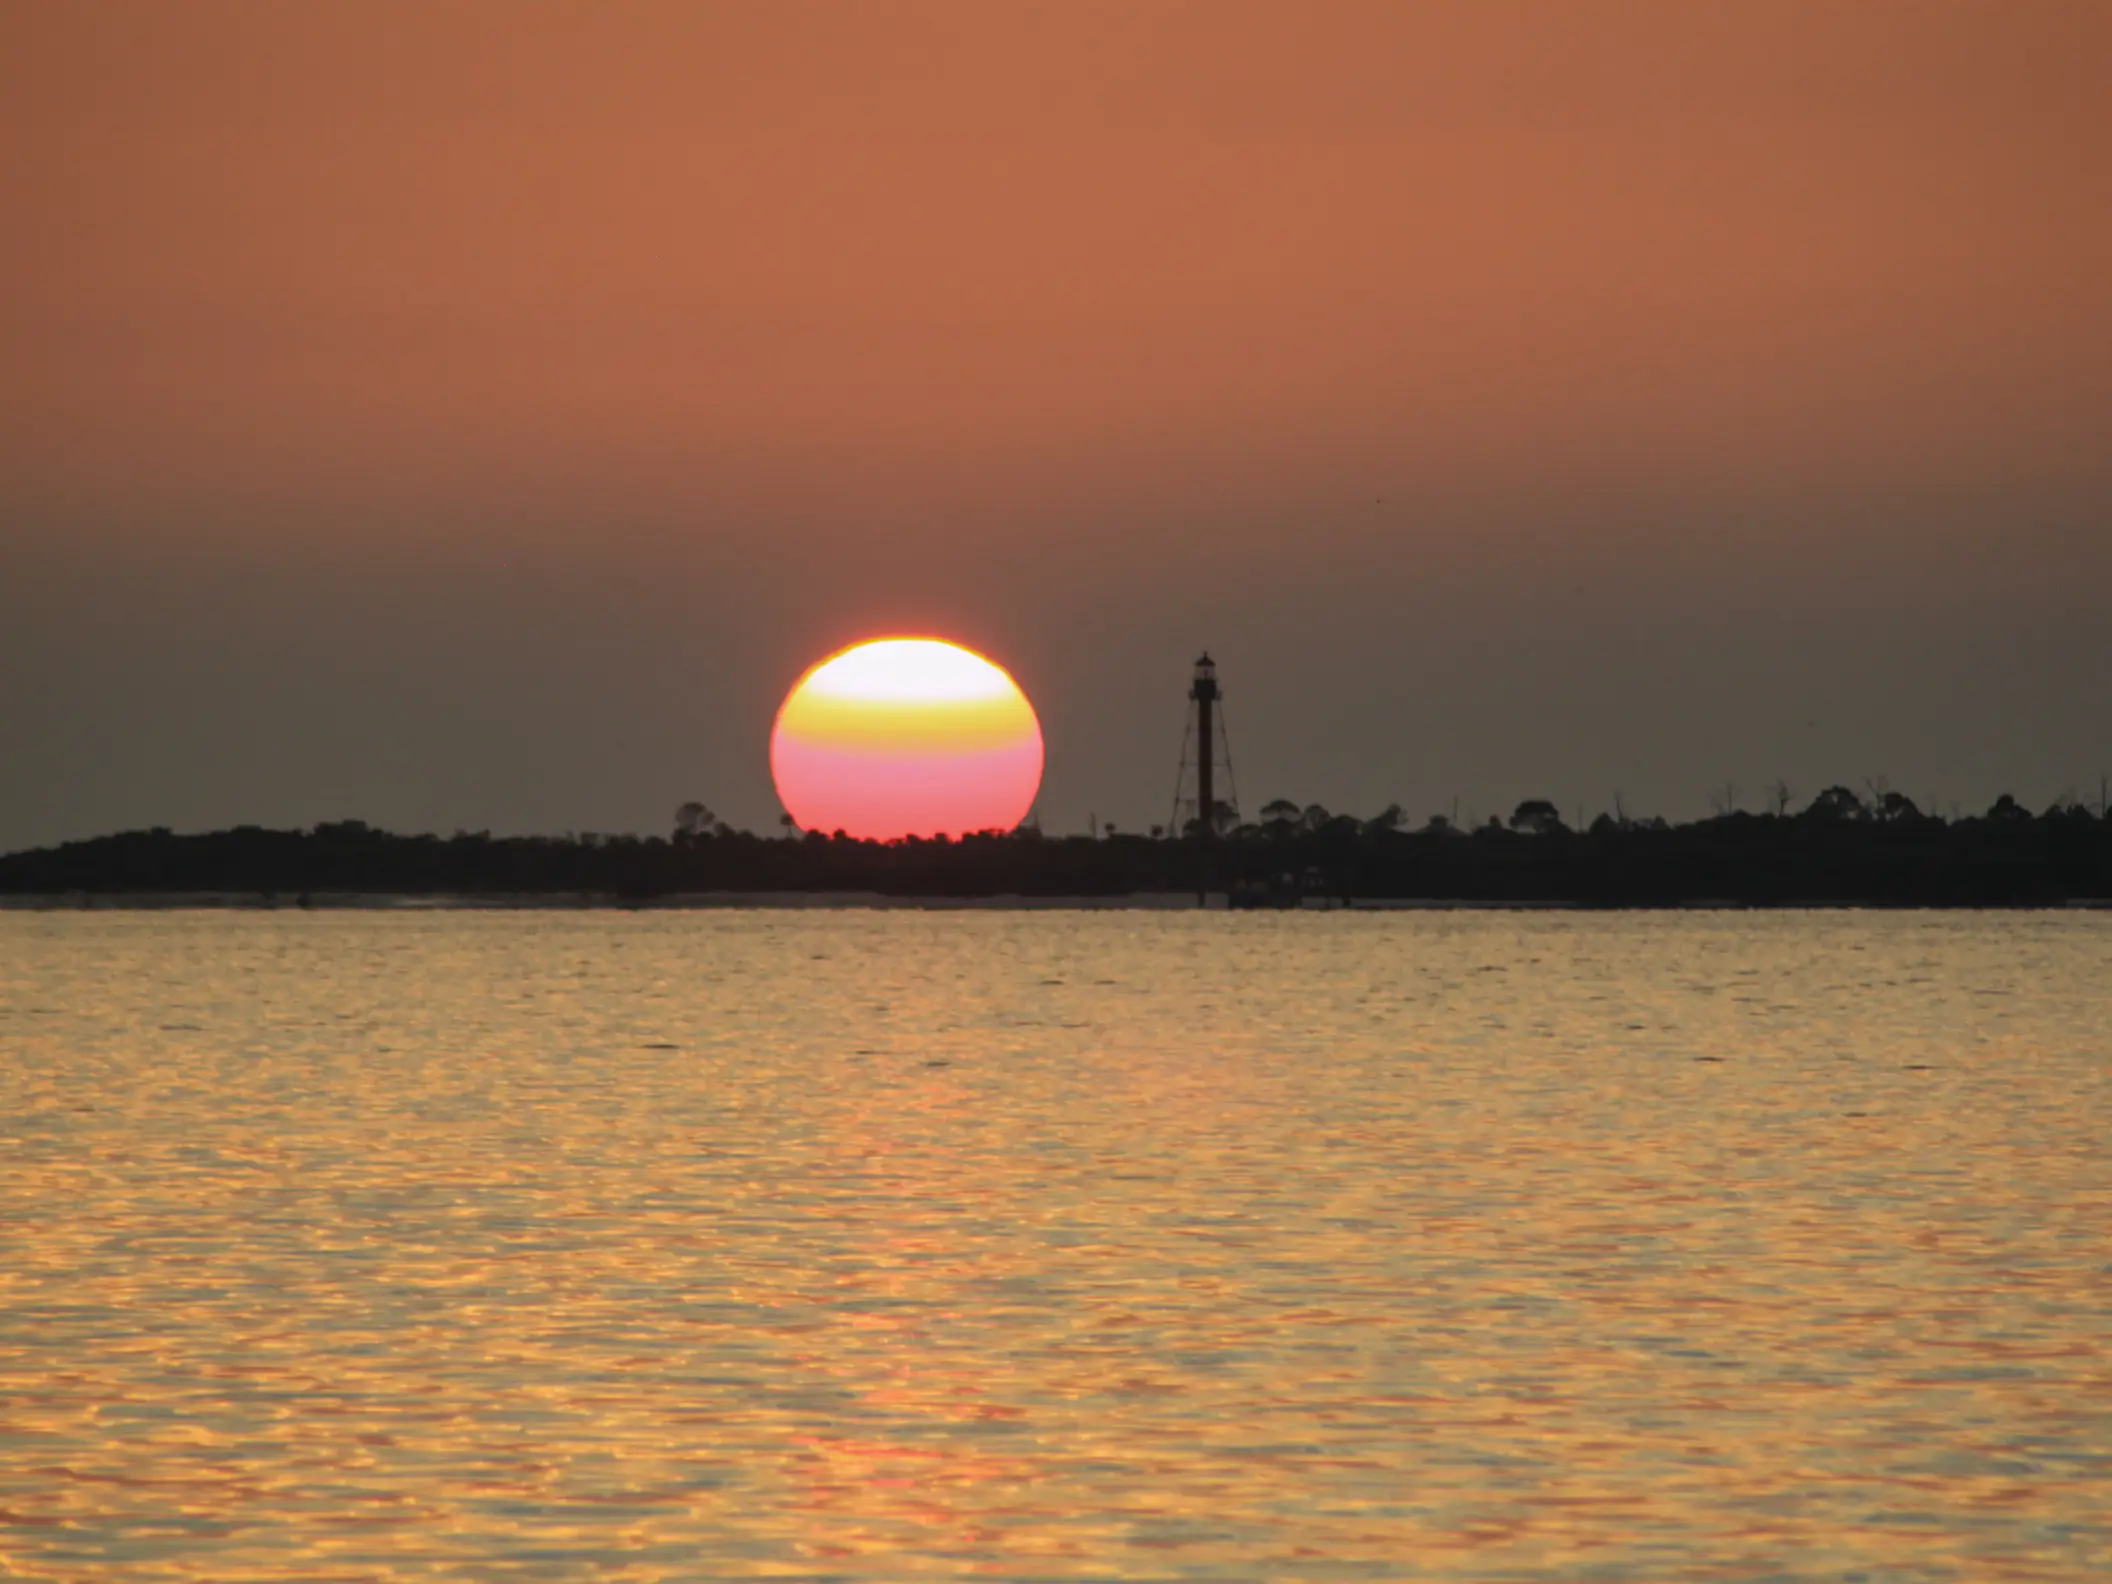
858	1246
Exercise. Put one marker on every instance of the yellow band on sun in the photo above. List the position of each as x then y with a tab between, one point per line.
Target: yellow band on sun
855	725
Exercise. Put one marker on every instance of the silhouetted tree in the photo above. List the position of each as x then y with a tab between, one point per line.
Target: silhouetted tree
692	820
1536	817
1223	818
1389	818
1836	803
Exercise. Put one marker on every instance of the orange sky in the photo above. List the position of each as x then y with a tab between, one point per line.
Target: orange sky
1006	314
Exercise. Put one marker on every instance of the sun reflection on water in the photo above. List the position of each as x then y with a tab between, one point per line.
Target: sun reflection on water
1029	1246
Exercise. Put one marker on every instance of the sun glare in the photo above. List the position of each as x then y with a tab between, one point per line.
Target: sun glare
920	670
906	737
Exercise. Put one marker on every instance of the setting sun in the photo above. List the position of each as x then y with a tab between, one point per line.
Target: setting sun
906	737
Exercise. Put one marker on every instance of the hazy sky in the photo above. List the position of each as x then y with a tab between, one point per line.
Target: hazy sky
476	415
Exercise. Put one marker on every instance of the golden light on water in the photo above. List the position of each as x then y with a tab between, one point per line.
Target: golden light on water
1066	1246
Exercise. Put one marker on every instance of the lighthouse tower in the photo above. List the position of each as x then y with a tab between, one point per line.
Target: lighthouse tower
1212	752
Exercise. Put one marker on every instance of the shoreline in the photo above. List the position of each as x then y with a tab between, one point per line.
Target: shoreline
876	901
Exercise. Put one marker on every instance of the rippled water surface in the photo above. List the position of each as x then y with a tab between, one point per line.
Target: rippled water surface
1055	1246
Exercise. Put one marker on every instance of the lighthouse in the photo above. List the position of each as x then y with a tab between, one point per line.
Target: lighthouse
1203	692
1212	753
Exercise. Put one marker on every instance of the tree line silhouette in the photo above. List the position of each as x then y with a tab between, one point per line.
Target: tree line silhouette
1870	848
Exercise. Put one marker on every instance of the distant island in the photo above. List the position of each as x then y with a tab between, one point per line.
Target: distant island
1842	849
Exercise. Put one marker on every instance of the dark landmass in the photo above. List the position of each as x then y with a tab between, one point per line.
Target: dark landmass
1841	850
